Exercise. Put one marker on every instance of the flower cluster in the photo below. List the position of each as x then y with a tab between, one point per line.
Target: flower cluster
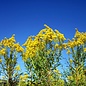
17	47
38	42
79	39
17	67
0	60
9	43
32	45
24	77
3	51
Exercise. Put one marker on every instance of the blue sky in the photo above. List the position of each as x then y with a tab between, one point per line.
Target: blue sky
27	17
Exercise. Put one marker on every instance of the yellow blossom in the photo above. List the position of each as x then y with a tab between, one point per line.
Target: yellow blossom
84	49
70	77
64	45
71	44
80	37
24	77
12	39
77	34
0	60
71	61
8	42
56	71
60	36
56	46
18	47
36	43
3	51
61	82
17	67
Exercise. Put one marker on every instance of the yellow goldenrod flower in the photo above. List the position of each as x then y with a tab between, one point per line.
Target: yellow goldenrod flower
8	42
61	82
24	77
56	46
56	71
0	60
70	77
71	44
17	67
60	36
77	34
64	45
38	42
18	47
84	49
71	61
12	39
3	51
21	77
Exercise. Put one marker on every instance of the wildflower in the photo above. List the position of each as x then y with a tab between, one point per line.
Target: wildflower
71	61
77	34
3	51
70	77
60	36
0	60
18	47
64	45
56	71
12	39
17	68
24	77
56	46
84	49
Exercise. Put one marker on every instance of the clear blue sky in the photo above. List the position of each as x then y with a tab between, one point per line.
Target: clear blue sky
27	17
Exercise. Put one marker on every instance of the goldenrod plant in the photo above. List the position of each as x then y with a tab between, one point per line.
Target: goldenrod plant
42	54
76	49
9	50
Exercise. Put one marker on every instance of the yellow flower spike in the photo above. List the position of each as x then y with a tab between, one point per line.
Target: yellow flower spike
71	44
0	60
56	71
60	36
70	77
3	51
48	52
24	77
18	47
64	45
12	39
84	49
17	68
21	77
57	32
77	34
71	61
61	82
46	26
8	42
56	46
